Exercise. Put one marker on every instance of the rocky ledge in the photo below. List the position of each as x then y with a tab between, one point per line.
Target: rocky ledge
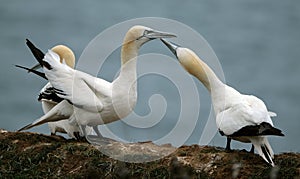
33	155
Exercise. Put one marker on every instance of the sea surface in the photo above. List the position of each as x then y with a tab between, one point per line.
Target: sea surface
257	44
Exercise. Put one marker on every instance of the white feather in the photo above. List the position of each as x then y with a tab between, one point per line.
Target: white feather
63	126
233	110
272	114
260	141
94	100
239	111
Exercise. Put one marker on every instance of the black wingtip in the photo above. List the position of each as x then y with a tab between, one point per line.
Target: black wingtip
37	53
274	131
30	44
281	134
258	130
33	71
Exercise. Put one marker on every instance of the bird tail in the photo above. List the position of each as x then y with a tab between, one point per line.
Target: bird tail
59	112
42	120
263	148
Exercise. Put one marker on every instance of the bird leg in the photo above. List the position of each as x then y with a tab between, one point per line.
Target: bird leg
77	135
97	131
252	149
228	144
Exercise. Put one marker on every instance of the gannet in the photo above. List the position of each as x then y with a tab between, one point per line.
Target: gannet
49	98
240	117
92	101
47	95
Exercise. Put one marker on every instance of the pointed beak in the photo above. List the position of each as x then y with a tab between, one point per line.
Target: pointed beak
153	34
172	46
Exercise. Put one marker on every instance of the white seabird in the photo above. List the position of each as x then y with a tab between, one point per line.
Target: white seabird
240	117
92	101
49	98
47	95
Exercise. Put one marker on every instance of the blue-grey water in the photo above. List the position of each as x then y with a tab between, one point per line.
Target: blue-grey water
257	43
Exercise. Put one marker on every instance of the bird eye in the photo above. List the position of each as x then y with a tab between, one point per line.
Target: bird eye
144	35
145	32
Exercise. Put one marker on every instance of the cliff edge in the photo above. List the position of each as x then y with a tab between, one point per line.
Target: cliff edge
24	154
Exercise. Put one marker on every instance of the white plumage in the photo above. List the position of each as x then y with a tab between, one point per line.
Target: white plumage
238	110
91	101
47	95
63	126
240	117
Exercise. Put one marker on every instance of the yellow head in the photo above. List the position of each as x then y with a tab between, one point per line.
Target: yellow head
135	37
66	55
141	34
192	64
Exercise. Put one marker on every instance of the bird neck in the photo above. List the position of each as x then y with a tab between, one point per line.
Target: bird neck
125	87
205	74
129	55
214	85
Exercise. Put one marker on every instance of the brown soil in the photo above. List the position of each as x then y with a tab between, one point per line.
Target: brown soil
32	155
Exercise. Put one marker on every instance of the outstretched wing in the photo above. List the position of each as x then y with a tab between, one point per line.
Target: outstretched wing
80	89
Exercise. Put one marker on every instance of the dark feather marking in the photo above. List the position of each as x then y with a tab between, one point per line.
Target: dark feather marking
47	65
33	71
38	54
70	102
266	152
58	89
60	93
258	130
49	94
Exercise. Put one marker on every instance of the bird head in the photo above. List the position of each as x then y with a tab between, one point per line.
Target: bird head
66	55
187	58
141	34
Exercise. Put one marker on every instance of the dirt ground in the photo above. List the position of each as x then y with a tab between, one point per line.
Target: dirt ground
33	155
